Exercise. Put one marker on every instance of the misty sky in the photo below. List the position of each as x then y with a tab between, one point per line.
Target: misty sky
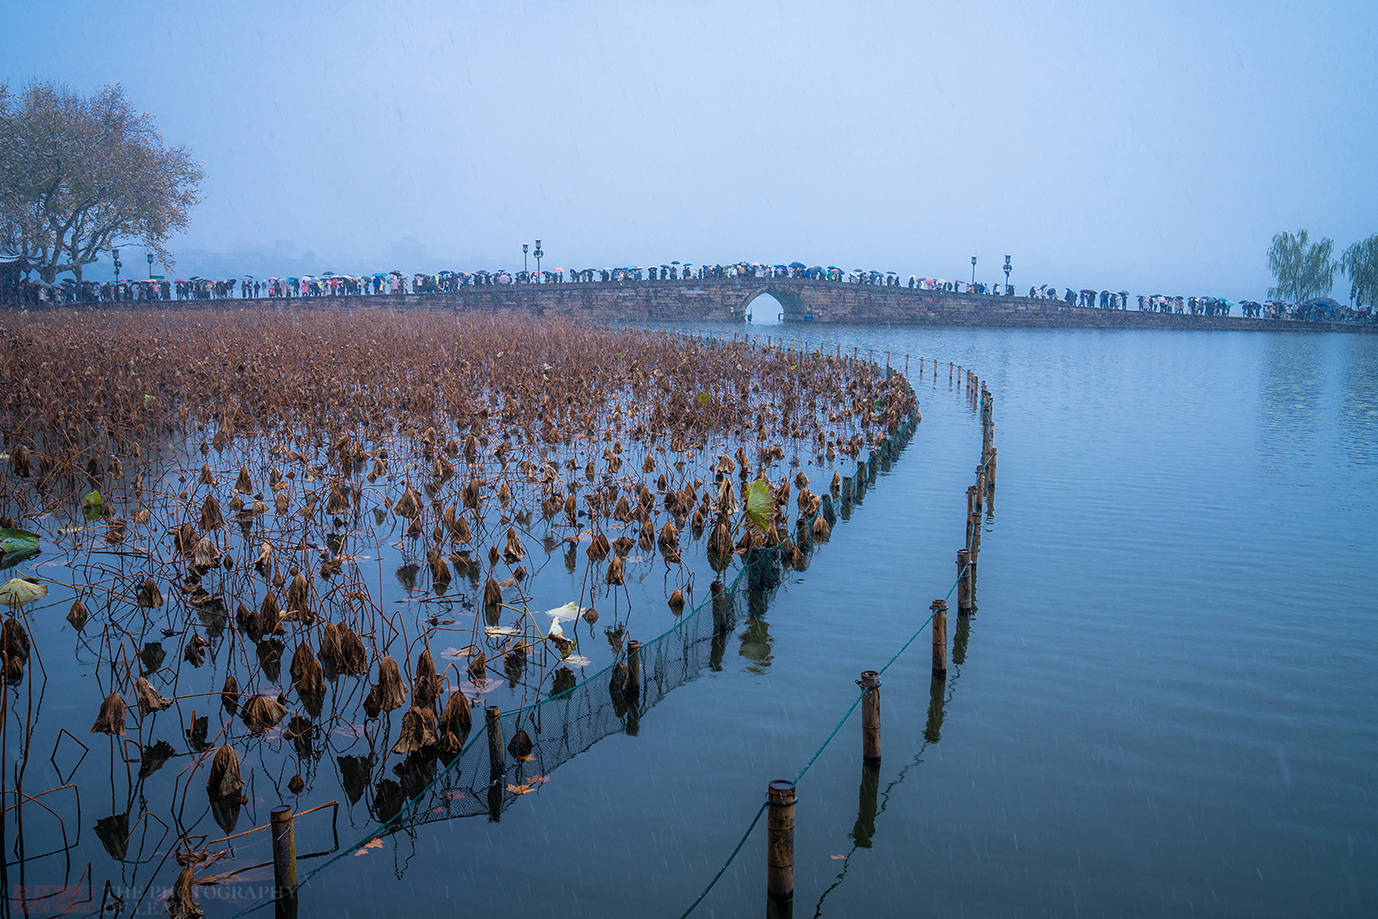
1156	147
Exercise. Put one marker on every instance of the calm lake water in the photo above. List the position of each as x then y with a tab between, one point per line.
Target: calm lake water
1166	700
1164	705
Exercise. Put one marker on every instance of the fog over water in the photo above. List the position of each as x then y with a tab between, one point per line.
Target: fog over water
1155	149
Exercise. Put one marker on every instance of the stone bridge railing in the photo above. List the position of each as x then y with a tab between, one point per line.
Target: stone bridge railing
727	299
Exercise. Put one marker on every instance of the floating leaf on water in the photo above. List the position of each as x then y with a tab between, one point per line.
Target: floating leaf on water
520	789
501	630
578	660
15	592
374	843
14	541
704	398
91	505
760	503
456	654
567	613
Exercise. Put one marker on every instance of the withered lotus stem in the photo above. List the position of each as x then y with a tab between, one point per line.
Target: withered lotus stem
225	780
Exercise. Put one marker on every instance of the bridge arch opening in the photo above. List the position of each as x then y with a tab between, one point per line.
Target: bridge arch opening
767	305
765	310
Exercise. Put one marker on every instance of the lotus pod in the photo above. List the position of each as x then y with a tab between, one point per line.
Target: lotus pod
648	535
571	510
261	713
281	502
205	555
148	698
720	541
492	593
244	484
614	576
225	779
418	731
298	593
211	516
264	563
457	719
77	615
110	719
623	511
229	694
148	595
677	601
504	493
513	551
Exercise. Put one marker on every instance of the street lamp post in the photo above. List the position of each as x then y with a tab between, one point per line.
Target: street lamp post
538	253
973	271
118	263
1007	271
150	266
524	248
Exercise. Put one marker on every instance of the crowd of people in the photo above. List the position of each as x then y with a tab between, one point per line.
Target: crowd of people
37	293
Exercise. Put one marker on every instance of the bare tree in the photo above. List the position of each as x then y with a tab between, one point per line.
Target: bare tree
80	175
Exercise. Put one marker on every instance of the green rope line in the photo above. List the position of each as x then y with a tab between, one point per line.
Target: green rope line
741	842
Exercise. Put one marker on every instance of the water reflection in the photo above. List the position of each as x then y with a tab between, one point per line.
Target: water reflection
1290	390
1358	421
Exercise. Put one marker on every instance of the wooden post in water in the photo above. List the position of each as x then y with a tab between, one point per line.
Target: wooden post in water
990	471
963	582
870	716
780	840
284	851
492	715
633	668
939	630
980	487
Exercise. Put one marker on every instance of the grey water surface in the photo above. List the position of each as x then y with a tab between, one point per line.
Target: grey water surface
1164	705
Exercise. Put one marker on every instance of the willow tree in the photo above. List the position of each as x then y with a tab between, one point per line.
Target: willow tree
1360	263
1303	270
79	175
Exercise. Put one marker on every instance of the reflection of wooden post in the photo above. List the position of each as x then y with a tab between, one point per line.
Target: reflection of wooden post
870	716
496	764
939	629
990	471
284	851
633	668
719	607
780	840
